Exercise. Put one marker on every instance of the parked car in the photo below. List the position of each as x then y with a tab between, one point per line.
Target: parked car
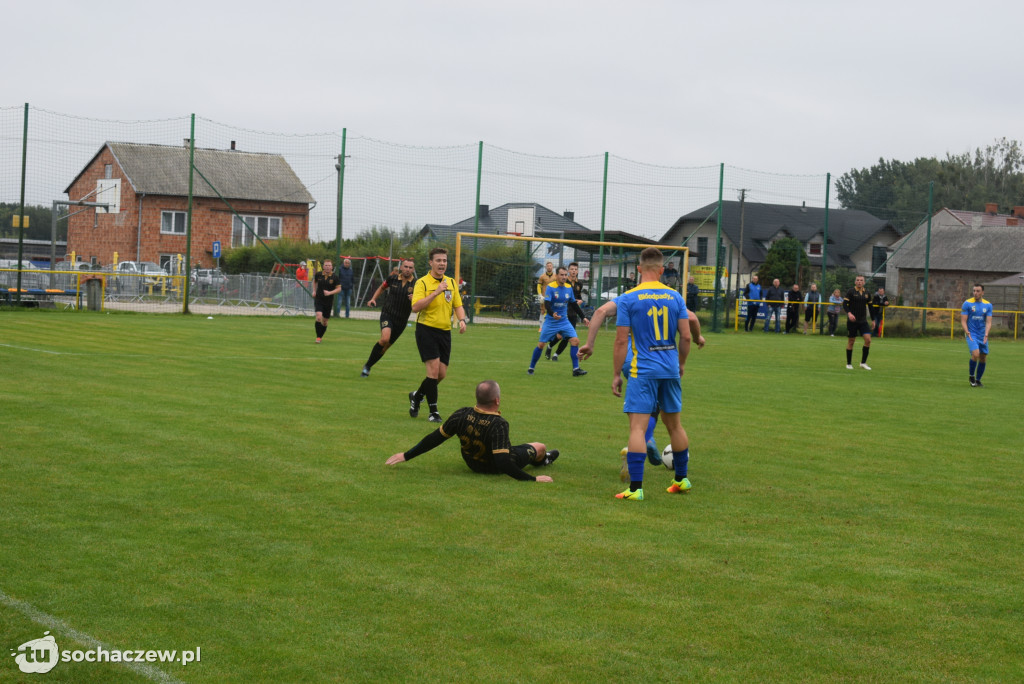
139	274
207	279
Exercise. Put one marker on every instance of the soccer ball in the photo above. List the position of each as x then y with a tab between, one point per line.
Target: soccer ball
666	456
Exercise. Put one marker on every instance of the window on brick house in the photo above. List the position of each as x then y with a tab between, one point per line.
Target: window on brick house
814	249
172	222
266	227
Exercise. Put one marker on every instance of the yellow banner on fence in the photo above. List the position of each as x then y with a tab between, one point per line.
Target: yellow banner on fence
704	276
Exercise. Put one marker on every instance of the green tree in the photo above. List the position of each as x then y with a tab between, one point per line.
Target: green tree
781	263
39	222
898	191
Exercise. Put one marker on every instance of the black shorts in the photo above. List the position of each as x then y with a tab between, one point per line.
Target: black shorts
397	324
523	454
322	307
857	328
809	313
433	343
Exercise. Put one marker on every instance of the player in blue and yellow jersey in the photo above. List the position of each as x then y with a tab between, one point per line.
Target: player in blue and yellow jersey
608	310
435	297
559	298
976	320
648	319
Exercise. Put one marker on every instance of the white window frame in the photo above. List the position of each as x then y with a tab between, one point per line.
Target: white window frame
266	227
814	249
174	216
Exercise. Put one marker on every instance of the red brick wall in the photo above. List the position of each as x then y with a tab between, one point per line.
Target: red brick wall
211	220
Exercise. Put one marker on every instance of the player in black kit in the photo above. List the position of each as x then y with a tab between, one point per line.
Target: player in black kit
394	313
855	304
485	442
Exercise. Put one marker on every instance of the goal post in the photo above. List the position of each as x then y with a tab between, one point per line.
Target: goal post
498	273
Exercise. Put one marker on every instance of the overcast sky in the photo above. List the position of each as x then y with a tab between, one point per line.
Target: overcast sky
789	87
792	87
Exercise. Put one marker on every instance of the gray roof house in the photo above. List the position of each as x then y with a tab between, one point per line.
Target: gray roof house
967	247
856	239
546	222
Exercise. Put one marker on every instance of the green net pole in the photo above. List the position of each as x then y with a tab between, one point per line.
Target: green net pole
726	304
600	251
21	212
716	324
341	190
188	214
927	255
476	229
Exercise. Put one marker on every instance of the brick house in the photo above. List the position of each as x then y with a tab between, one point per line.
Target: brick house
967	247
147	189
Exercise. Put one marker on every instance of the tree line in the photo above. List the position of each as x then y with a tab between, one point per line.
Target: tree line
898	191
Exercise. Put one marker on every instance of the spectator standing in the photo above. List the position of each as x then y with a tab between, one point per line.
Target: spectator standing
345	276
811	301
752	293
671	276
793	308
774	296
878	303
692	295
835	305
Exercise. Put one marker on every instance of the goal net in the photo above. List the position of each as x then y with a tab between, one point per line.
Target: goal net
498	274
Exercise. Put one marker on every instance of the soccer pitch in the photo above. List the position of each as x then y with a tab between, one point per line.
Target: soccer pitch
180	483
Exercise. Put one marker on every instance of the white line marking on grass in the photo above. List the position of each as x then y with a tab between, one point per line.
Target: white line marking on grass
41	351
58	625
233	357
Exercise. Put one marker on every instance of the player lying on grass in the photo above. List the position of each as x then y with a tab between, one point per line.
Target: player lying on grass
485	442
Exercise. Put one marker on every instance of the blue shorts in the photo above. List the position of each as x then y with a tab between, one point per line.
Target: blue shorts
973	344
552	327
644	395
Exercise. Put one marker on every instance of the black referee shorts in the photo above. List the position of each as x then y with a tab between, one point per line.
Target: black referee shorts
857	328
396	323
433	343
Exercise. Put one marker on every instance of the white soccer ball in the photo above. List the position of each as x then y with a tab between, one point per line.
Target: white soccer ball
666	456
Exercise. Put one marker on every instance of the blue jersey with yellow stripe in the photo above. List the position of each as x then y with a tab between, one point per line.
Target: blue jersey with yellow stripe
559	296
652	312
977	311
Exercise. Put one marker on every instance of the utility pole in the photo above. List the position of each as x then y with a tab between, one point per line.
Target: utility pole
739	255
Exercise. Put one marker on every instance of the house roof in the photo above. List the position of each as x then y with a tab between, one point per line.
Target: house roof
495	222
968	218
848	229
955	246
547	223
163	170
1016	280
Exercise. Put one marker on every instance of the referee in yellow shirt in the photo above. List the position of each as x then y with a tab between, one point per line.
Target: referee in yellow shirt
434	297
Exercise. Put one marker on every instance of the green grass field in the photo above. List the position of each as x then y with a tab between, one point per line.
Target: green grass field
171	482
